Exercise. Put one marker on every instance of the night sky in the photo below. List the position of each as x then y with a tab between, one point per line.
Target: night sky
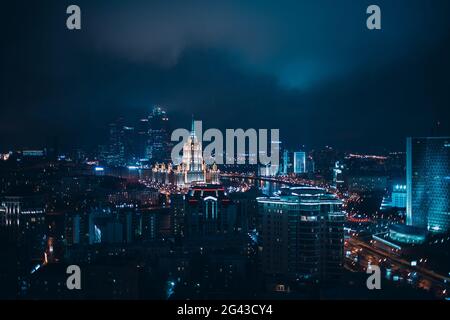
310	68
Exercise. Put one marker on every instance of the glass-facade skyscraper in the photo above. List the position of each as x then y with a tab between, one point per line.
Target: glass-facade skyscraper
428	183
299	162
158	149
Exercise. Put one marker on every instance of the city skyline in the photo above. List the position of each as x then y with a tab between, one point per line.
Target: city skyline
135	124
203	152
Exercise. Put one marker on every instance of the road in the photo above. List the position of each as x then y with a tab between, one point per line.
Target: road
368	253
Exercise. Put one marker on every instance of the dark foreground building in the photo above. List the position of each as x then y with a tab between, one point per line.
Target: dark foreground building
302	235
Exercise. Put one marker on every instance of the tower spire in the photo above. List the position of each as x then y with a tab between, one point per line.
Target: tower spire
192	126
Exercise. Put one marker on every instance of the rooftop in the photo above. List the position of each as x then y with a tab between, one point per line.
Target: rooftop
304	195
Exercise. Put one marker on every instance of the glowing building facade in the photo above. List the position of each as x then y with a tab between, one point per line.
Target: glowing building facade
192	168
158	146
399	196
428	183
299	162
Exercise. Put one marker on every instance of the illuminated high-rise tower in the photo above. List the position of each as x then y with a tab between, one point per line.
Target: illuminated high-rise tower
116	155
192	152
428	183
158	148
192	162
191	169
299	162
142	137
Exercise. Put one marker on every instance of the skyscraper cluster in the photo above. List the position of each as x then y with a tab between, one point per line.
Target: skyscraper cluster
129	145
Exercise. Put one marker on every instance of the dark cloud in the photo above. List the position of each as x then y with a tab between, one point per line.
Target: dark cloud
310	68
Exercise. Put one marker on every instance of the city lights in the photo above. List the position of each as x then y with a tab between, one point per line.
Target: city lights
225	158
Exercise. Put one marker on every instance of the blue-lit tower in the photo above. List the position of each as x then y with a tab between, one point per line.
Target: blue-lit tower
428	183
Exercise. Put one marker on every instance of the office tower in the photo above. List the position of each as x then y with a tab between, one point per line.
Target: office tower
76	229
246	209
129	145
296	162
286	163
399	196
142	136
150	223
299	162
302	234
116	155
310	167
105	227
103	153
324	160
209	211
428	183
178	214
338	174
158	148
